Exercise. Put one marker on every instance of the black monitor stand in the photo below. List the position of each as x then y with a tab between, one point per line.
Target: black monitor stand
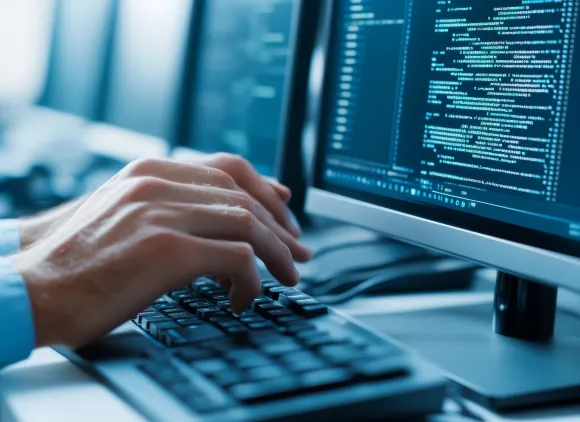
530	358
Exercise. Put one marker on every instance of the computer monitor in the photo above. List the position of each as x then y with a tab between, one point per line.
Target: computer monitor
147	65
452	125
78	56
248	84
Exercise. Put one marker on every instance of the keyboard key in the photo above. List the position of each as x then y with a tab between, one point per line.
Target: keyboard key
326	378
306	364
191	353
265	373
156	328
341	354
177	293
319	341
262	299
280	347
148	320
172	310
299	328
193	306
277	313
165	374
207	313
194	334
178	314
252	319
142	315
267	325
235	330
229	378
275	292
264	391
380	369
188	322
210	367
289	320
162	305
267	285
312	311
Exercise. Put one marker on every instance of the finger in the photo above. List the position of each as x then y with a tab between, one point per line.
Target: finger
249	180
238	224
283	192
226	259
226	284
151	189
180	172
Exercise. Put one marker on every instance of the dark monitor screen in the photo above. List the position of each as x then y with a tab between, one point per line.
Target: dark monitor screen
78	56
241	73
146	65
464	112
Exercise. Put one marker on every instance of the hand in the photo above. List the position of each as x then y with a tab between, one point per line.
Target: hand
269	193
154	227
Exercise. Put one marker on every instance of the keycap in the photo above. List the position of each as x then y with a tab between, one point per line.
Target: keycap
191	353
277	313
252	319
319	341
297	329
265	373
269	284
311	311
340	354
289	320
275	292
206	313
228	378
324	379
142	315
156	328
263	391
148	320
172	310
261	299
192	306
236	330
176	293
280	347
267	325
306	364
380	369
162	305
194	334
179	314
210	367
188	322
163	373
264	308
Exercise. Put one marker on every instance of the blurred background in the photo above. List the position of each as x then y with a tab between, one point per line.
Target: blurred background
88	85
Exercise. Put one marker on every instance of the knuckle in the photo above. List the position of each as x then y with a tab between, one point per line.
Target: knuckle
231	162
247	222
245	201
142	188
141	166
223	179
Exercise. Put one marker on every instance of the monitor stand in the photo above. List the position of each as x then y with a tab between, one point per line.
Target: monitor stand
531	358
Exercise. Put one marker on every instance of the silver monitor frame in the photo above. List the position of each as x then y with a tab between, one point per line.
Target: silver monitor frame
532	263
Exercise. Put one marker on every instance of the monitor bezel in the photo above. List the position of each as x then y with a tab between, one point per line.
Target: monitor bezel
525	248
288	164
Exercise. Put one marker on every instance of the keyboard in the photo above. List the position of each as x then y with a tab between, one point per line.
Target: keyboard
189	357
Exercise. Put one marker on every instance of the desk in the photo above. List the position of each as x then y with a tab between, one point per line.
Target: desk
47	388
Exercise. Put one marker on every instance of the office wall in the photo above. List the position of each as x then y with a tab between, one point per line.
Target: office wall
25	29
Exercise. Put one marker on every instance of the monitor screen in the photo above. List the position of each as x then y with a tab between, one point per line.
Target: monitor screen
464	112
241	74
146	66
78	56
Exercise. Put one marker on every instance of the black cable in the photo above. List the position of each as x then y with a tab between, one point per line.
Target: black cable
342	281
444	266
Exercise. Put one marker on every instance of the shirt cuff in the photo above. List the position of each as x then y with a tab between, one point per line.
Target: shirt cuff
9	237
17	336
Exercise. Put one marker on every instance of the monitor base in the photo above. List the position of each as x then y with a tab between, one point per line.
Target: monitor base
496	371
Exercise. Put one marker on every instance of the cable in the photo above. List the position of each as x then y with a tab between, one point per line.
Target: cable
398	274
346	279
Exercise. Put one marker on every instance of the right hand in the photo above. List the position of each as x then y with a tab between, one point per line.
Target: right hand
154	227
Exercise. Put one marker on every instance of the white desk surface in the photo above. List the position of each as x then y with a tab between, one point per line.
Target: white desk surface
48	388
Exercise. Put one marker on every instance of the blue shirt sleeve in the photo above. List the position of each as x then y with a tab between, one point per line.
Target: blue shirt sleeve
9	237
17	336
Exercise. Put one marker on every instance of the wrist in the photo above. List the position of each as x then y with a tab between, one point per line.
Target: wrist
46	301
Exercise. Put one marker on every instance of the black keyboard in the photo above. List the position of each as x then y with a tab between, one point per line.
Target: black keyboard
288	356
